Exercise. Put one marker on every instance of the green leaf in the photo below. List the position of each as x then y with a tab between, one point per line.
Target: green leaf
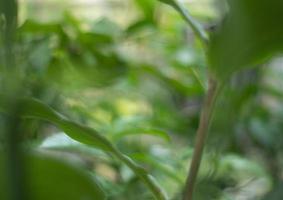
49	178
35	109
169	2
81	133
31	26
106	27
139	26
275	193
251	33
41	55
156	163
148	8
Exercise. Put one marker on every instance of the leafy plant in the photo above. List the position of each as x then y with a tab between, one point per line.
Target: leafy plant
125	117
248	39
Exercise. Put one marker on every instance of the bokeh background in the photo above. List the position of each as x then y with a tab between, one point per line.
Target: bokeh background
134	71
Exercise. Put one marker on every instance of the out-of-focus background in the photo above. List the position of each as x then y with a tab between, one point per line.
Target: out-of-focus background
134	71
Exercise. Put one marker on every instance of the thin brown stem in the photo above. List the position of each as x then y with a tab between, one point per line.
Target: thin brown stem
201	136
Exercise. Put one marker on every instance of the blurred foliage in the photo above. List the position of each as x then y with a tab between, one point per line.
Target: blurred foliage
137	88
41	172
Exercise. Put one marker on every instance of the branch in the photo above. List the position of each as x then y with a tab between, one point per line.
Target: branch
201	136
196	27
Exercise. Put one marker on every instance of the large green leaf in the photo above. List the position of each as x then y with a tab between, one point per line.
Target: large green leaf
251	33
36	109
48	178
83	134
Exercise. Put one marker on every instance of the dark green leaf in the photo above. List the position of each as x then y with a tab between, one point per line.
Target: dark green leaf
50	178
139	26
169	2
83	134
36	27
251	32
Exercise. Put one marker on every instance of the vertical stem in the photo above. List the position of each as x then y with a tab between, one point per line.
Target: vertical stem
9	8
14	157
196	27
11	87
207	108
201	136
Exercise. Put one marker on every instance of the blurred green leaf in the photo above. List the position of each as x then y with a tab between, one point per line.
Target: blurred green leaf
169	2
139	26
276	193
251	33
156	163
36	109
148	8
106	27
50	178
93	38
36	27
40	56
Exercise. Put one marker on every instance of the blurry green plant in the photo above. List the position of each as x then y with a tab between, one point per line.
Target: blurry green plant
85	73
247	37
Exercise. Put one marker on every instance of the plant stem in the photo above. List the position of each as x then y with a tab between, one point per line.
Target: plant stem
14	157
11	87
207	108
143	175
196	27
202	132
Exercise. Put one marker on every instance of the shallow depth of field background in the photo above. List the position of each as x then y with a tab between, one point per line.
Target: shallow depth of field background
133	70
